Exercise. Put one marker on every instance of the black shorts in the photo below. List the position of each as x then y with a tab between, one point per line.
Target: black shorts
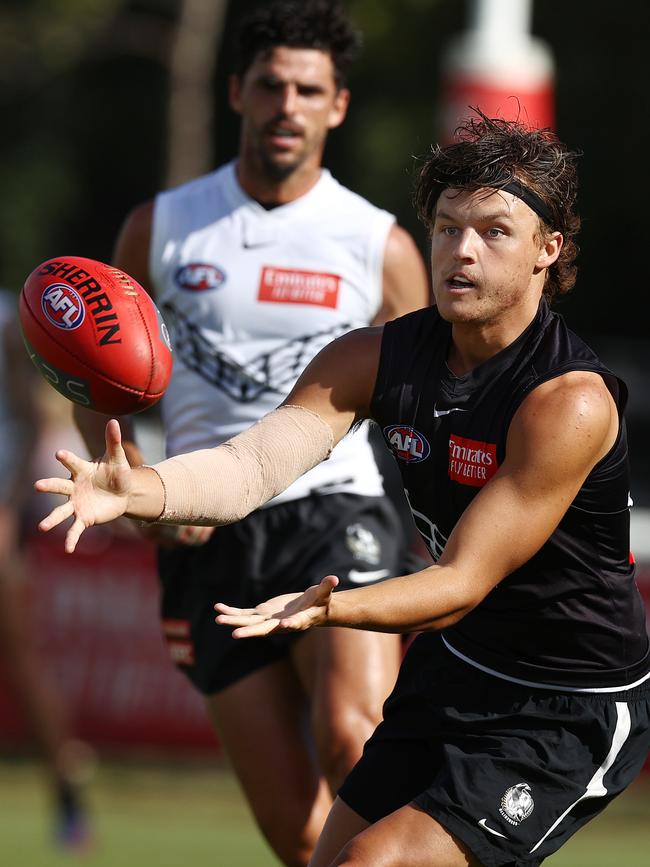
281	549
510	771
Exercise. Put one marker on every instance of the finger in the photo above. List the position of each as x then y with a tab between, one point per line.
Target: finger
70	461
55	486
230	609
113	437
193	535
328	583
56	516
73	535
239	619
295	622
259	630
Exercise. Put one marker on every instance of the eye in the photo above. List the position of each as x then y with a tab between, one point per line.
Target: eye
309	90
269	83
449	231
495	233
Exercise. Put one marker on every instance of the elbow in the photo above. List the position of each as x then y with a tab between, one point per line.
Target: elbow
458	604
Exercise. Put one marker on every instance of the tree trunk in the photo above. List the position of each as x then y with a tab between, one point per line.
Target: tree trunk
191	102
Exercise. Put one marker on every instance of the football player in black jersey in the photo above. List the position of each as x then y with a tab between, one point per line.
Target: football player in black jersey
522	708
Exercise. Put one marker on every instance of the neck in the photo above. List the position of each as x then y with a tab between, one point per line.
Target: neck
254	179
474	343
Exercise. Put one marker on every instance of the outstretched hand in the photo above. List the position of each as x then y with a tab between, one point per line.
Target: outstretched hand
97	491
291	612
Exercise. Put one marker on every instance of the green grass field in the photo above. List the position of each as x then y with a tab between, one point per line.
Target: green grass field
151	816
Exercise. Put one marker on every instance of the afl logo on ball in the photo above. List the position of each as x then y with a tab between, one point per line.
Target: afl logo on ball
63	307
198	277
406	443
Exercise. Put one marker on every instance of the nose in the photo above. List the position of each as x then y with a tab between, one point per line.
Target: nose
288	97
464	247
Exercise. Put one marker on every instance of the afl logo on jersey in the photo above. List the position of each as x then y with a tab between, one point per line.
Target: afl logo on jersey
198	277
406	443
63	306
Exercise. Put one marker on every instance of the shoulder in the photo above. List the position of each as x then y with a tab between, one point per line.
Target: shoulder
131	252
352	358
334	189
403	262
137	222
572	416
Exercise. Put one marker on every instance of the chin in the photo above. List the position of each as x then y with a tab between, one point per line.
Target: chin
455	311
279	169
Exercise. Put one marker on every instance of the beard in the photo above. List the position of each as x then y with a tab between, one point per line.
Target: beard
277	171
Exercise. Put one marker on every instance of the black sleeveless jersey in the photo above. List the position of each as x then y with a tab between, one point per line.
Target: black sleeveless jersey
572	615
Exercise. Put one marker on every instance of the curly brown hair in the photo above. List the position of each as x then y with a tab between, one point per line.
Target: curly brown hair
492	152
319	24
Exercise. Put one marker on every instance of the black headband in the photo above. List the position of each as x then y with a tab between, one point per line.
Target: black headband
531	198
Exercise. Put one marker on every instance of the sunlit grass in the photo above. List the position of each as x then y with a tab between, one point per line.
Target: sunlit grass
148	815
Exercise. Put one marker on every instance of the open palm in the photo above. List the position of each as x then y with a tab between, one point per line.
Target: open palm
97	491
291	612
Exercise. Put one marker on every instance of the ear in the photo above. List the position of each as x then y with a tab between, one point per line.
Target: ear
339	108
550	250
234	93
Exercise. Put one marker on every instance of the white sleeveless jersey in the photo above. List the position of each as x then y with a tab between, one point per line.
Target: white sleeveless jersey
250	296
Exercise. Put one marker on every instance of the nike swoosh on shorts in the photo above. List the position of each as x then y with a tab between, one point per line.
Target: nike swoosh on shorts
364	577
491	830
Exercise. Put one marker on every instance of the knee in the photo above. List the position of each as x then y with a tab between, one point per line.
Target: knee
293	831
356	853
340	736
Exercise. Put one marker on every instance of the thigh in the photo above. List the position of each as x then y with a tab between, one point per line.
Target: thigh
406	838
347	675
347	672
261	723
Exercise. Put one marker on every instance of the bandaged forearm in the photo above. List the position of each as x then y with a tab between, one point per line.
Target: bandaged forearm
223	485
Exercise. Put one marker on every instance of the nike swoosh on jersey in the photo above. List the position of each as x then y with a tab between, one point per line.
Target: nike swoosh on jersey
491	830
364	577
440	412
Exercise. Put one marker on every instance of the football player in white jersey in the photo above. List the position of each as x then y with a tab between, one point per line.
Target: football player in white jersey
256	267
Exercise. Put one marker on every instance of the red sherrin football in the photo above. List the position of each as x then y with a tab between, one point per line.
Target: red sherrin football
95	335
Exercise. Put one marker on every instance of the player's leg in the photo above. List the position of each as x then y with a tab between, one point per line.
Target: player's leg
408	837
342	825
65	760
347	674
261	721
254	697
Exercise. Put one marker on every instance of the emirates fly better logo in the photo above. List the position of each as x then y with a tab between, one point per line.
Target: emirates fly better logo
63	306
471	462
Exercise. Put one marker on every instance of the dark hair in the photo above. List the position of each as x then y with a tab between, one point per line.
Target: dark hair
319	24
492	152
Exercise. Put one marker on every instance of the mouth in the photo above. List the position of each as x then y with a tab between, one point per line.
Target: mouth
283	135
459	284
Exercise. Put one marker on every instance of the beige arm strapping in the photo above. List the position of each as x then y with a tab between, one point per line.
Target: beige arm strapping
223	485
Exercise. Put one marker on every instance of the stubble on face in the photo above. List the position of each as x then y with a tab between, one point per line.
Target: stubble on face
484	246
286	101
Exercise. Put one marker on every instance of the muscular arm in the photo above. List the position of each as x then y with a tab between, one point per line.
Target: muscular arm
209	486
405	280
557	436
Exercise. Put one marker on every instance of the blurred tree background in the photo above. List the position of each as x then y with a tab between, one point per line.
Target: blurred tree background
95	121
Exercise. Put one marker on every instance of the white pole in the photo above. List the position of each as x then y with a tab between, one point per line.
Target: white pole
496	18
